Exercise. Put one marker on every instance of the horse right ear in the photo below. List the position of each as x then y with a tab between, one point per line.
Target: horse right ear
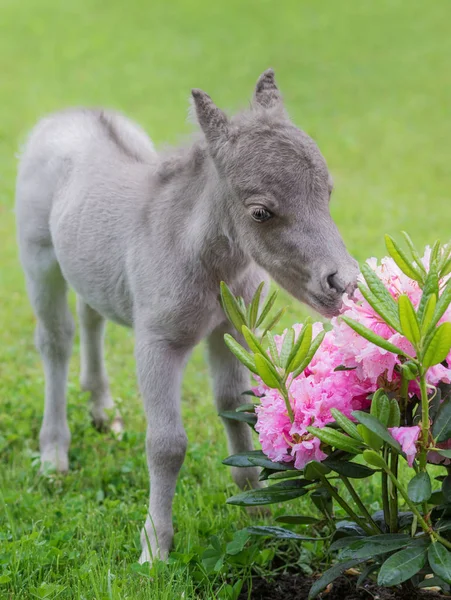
212	120
266	92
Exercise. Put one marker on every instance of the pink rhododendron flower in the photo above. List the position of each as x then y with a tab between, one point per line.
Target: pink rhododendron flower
367	367
407	437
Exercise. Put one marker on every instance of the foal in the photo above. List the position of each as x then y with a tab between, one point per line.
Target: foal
145	239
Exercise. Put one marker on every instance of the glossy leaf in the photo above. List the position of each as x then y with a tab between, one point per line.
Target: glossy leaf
376	427
439	346
373	337
440	561
431	287
380	298
336	439
408	319
278	532
252	340
316	343
442	304
394	419
266	308
296	520
301	348
273	348
414	252
250	418
346	424
419	488
274	321
428	313
269	495
255	305
231	307
241	354
441	428
403	565
375	545
348	469
287	347
402	260
266	371
315	470
374	459
242	458
329	576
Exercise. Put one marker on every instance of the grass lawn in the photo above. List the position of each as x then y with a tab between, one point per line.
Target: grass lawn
370	81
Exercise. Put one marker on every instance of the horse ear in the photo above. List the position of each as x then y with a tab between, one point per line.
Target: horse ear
212	120
266	92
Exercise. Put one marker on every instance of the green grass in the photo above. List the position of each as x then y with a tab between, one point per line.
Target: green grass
368	80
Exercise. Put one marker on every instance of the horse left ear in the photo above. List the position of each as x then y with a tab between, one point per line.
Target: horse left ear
266	92
212	120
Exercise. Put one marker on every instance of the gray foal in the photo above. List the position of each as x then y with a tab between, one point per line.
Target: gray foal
145	239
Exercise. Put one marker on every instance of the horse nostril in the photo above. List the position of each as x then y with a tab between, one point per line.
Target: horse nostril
334	283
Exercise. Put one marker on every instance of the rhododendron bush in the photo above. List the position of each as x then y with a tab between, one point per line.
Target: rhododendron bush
368	395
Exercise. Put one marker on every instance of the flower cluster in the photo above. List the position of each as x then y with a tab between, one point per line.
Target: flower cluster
343	374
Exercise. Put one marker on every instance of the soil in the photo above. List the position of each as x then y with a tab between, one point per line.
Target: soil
297	587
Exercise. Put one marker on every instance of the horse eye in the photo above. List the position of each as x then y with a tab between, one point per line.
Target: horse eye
261	214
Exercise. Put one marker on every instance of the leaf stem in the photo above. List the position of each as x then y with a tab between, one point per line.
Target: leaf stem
385	497
285	395
345	506
359	503
424	421
393	494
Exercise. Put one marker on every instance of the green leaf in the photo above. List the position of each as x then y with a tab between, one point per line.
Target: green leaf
370	439
252	340
376	427
244	417
231	307
442	304
414	252
380	407
296	520
267	307
274	322
255	305
311	353
445	269
269	495
394	419
329	576
278	532
287	347
373	337
348	469
439	346
441	428
273	348
301	348
374	459
408	319
402	566
430	288
445	453
346	424
315	470
375	545
419	488
242	459
246	407
241	354
336	439
267	372
446	489
428	313
402	260
440	561
380	298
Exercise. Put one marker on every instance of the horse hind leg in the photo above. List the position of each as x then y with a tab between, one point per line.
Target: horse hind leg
93	376
54	336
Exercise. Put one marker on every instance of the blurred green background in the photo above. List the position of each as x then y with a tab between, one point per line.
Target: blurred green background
370	81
